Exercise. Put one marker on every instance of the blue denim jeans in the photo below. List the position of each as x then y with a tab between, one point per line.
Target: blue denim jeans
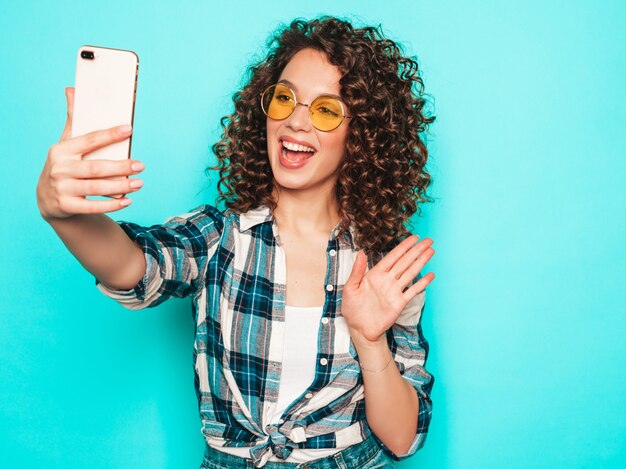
365	455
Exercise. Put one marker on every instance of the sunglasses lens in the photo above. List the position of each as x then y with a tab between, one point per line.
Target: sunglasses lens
326	113
278	102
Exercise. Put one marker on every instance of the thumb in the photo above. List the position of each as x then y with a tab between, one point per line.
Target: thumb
358	269
67	131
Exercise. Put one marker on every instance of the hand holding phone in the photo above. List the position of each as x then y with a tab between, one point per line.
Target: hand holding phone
67	178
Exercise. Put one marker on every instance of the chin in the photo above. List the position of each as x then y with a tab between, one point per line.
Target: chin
289	181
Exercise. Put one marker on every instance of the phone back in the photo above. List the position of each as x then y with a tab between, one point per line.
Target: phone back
104	96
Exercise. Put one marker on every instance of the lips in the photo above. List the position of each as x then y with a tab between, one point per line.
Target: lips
293	153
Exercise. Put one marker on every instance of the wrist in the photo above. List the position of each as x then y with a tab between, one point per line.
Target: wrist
362	342
373	357
367	348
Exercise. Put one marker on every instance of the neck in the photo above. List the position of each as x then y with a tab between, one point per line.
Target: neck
303	211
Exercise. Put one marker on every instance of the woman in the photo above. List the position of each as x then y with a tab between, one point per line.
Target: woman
308	349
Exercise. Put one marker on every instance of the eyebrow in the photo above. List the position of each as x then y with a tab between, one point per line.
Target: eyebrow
295	88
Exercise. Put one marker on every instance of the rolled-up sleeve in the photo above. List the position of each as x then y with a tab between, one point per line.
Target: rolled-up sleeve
176	254
410	351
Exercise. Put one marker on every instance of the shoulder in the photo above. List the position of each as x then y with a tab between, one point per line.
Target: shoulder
208	216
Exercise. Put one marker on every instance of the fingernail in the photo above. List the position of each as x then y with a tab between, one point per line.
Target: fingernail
125	129
125	202
135	183
137	166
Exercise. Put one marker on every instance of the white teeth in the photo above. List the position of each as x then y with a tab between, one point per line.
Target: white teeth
295	147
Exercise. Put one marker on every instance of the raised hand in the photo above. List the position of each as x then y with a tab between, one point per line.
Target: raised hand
373	300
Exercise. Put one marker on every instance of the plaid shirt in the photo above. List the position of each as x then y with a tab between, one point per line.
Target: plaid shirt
234	268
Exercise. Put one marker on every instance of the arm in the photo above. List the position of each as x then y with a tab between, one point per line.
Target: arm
98	242
391	404
397	399
383	309
139	267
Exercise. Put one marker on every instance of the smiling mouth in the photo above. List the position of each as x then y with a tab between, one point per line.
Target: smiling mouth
295	153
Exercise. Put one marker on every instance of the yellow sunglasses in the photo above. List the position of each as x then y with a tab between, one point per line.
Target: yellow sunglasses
326	112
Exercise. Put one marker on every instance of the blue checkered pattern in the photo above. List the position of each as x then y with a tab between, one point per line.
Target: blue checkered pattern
234	269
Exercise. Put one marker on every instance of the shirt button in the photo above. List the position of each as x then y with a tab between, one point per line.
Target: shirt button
308	395
324	320
329	288
323	361
332	252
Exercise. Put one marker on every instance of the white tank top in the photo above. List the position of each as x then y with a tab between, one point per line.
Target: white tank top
299	355
298	371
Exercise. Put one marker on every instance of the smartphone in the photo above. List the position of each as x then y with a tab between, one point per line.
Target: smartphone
104	96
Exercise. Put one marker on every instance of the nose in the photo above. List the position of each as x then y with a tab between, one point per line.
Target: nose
299	118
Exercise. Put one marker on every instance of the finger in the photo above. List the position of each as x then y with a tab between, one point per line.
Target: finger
99	169
358	269
69	97
79	205
98	139
418	286
84	187
414	269
387	262
409	257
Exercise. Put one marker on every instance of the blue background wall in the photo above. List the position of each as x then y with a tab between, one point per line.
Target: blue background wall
526	318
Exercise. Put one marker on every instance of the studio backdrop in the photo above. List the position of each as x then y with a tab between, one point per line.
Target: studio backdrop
525	319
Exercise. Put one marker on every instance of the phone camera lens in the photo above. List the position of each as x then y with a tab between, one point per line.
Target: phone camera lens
87	54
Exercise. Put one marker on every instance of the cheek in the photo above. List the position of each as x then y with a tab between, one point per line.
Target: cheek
336	144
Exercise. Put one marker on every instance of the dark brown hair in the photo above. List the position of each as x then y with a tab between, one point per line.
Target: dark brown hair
382	177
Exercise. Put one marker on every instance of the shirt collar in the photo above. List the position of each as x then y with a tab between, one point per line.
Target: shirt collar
254	217
263	214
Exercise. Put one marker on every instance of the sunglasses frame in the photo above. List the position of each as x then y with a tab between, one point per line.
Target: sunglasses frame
295	100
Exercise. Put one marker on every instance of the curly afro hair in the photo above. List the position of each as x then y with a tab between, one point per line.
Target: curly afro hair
382	178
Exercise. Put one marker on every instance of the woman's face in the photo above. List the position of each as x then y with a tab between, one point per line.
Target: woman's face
308	74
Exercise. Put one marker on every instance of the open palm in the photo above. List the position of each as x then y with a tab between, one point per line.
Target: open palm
373	300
